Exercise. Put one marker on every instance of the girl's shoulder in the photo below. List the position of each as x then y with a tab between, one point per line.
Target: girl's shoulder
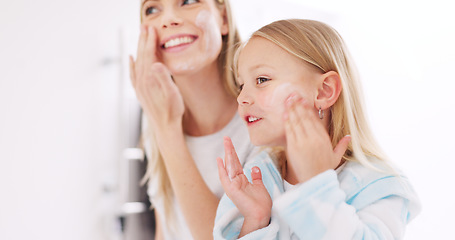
365	185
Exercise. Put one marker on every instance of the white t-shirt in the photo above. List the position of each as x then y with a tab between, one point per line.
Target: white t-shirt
205	150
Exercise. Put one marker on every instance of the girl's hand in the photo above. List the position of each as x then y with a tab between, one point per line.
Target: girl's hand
152	81
252	199
309	148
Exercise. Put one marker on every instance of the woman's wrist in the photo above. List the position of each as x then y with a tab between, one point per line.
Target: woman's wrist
169	133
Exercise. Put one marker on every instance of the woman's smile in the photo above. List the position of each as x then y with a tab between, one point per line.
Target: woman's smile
177	43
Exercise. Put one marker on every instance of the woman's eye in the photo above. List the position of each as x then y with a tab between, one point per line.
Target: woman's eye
150	10
260	80
240	87
186	2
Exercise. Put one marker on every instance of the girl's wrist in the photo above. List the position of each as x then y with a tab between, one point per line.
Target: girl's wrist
258	222
251	225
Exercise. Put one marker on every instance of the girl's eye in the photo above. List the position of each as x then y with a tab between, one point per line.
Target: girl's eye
240	87
186	2
150	10
260	80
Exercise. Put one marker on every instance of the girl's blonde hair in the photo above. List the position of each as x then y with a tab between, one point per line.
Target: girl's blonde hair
321	46
156	170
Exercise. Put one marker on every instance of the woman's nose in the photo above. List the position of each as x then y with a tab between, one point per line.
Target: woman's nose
170	18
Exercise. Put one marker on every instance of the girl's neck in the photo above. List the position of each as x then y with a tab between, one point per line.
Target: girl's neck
290	176
208	107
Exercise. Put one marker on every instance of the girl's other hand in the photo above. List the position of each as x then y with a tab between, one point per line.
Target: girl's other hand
309	148
152	81
252	199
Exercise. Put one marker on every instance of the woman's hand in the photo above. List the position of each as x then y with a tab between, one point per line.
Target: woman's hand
252	199
309	148
152	81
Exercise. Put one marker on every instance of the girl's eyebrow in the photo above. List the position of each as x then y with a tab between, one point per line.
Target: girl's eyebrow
260	65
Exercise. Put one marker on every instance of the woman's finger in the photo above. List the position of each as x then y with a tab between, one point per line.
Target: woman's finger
163	78
132	72
140	49
150	47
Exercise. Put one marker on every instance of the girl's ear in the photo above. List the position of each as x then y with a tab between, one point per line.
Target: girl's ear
329	89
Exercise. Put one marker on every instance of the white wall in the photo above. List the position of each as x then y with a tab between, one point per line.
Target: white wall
405	53
59	124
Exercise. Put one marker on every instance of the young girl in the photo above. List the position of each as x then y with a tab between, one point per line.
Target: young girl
300	94
181	79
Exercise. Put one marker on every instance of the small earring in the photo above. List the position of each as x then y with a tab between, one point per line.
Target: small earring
321	113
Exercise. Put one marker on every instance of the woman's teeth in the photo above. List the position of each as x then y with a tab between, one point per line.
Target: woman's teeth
177	41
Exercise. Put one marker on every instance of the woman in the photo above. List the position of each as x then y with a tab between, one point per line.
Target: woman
181	77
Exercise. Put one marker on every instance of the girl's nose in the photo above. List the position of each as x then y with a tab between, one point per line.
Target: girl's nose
244	98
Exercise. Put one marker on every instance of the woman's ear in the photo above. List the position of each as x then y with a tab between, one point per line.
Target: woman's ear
329	89
225	24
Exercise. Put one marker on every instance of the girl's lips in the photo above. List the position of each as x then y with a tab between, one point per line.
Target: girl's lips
252	119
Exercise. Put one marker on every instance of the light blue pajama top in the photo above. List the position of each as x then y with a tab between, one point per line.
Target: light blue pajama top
353	202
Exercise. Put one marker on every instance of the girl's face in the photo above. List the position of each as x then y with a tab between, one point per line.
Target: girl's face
188	32
268	75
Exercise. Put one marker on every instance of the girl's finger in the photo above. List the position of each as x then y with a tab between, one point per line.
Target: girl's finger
233	165
341	147
289	130
256	176
306	117
295	118
224	178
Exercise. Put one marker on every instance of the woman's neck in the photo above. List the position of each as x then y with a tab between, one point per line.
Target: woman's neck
208	107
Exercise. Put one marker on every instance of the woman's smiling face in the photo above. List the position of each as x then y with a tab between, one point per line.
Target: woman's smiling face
189	32
268	75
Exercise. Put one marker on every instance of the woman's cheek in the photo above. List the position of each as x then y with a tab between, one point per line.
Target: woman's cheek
207	22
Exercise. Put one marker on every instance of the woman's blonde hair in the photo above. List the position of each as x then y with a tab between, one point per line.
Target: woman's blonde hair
156	170
321	46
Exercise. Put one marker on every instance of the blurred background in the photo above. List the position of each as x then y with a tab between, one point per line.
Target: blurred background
69	119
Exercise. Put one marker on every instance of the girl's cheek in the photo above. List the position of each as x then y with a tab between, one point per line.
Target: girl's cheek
278	96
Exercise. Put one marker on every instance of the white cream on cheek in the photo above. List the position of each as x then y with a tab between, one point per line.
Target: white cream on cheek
279	95
184	66
207	22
